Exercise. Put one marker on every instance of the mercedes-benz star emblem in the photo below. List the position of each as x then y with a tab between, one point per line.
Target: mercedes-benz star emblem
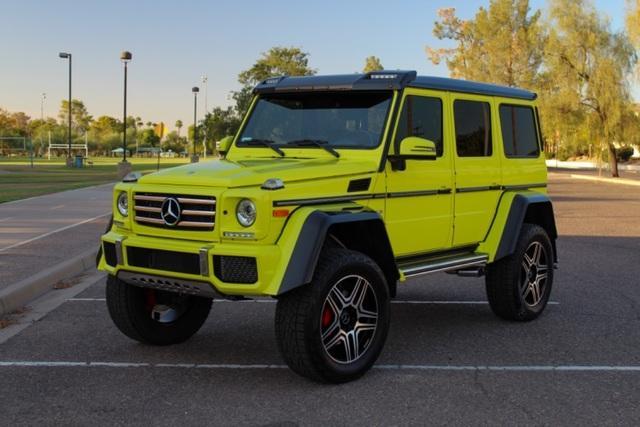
170	211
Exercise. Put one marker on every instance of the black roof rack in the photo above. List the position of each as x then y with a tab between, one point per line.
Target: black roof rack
386	80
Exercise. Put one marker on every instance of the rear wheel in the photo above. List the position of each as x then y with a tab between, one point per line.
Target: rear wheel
518	286
333	329
152	316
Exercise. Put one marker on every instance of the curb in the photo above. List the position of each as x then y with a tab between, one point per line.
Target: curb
621	181
20	293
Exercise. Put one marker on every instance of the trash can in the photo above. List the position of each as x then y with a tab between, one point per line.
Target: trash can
79	160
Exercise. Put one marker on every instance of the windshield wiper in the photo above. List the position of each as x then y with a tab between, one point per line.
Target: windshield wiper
265	143
316	143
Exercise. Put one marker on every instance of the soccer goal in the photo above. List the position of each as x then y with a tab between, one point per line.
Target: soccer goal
15	145
60	146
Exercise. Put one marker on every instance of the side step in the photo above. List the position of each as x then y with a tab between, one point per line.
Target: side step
465	262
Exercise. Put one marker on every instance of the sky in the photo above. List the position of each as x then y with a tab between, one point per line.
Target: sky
174	43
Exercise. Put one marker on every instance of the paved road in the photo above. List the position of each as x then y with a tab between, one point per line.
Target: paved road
38	233
448	360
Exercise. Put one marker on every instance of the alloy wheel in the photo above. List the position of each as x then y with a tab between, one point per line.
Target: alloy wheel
349	319
534	273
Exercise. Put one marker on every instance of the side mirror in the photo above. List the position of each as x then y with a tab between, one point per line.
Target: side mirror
224	145
415	147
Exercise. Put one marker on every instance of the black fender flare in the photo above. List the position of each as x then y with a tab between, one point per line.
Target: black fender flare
531	208
365	226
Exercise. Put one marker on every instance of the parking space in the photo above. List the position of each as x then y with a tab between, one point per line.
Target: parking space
448	359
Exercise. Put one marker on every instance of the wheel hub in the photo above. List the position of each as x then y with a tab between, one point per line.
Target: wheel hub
348	319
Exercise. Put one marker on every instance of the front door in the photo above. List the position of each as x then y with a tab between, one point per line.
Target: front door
419	203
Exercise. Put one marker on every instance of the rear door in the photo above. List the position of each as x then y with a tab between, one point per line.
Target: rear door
477	167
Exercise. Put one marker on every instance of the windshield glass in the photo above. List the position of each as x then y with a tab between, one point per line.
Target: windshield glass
347	119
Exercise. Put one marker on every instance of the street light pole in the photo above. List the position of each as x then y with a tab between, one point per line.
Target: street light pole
205	79
42	98
66	55
194	157
124	167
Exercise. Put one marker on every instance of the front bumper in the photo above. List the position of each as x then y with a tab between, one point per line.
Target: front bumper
191	267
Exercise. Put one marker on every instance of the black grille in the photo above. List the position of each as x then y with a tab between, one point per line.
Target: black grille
110	253
197	212
179	262
235	269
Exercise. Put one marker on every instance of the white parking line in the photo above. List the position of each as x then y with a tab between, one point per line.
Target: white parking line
265	366
24	242
435	302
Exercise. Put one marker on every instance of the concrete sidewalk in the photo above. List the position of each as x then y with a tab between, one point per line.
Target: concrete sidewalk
25	221
48	238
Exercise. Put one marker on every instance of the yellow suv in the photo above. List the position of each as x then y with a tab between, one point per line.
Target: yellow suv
334	189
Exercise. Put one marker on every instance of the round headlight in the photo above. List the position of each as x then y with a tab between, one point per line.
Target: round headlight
246	212
123	204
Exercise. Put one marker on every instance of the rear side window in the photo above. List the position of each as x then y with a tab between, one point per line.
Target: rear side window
519	134
473	128
422	117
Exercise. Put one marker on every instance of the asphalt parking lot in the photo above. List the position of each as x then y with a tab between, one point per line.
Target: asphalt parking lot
448	359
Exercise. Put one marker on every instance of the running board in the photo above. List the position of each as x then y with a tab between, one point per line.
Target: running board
450	263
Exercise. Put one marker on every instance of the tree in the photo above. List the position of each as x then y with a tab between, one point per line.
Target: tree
372	63
278	61
502	44
80	118
174	142
179	125
220	123
149	138
588	65
633	25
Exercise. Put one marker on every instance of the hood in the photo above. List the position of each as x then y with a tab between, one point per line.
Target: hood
253	172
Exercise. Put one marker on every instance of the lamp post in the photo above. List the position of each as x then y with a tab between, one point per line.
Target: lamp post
43	96
125	57
205	79
66	55
195	90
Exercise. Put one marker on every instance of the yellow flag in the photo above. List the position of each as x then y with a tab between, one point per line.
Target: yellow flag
161	130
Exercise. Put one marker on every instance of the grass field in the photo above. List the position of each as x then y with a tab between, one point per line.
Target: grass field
18	180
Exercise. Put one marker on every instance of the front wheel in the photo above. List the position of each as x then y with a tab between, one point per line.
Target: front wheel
333	329
518	286
153	316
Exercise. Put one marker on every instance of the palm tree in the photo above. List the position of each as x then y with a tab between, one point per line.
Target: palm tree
179	126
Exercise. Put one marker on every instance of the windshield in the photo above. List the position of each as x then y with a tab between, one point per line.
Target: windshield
333	119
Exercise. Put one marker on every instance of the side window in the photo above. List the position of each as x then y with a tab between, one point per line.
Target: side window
422	117
473	128
519	134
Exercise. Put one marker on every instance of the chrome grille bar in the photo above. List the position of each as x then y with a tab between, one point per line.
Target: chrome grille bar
197	212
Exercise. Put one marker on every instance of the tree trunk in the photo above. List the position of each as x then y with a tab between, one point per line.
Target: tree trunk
613	161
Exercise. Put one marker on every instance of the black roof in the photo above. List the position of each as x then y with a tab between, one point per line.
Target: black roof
387	80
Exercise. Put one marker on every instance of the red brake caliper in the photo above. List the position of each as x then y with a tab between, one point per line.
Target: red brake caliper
327	316
151	299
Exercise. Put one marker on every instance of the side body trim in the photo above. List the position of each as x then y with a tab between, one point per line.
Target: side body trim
431	192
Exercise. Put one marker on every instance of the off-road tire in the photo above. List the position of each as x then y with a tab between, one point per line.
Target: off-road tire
504	278
128	310
298	318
